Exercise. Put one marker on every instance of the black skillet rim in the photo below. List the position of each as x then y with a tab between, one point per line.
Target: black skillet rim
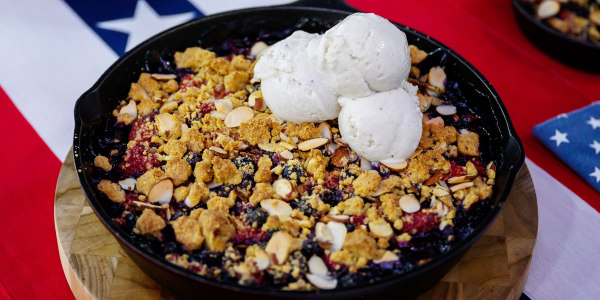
559	35
439	261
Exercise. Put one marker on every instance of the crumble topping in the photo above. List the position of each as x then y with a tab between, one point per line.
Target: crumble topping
254	201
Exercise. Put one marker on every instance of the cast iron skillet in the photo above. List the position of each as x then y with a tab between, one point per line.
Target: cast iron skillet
563	47
99	101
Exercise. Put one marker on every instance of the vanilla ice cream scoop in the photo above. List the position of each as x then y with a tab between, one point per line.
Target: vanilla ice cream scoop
362	54
384	126
291	87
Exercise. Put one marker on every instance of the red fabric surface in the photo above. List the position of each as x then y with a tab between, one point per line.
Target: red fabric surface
533	86
29	262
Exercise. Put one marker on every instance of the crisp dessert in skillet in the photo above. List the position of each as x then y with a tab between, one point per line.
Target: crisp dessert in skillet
577	18
200	171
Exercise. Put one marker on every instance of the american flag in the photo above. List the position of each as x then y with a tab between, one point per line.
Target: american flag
51	51
575	138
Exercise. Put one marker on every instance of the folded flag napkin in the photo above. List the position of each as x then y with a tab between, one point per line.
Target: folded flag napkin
575	138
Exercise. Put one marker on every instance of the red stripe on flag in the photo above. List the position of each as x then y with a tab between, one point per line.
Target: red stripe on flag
533	86
29	262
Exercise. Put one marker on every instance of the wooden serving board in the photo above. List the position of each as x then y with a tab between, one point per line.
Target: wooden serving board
96	267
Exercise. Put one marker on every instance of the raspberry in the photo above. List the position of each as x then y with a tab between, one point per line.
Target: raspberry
455	170
249	236
137	160
141	131
420	222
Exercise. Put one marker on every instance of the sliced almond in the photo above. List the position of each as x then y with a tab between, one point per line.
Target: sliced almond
276	207
340	142
324	283
311	144
287	146
437	78
395	166
128	184
286	154
213	184
279	247
461	186
338	231
161	192
218	115
409	204
165	122
365	164
433	179
460	179
283	188
446	110
490	166
285	138
341	157
146	205
219	151
262	260
381	229
339	218
238	116
158	76
442	209
322	233
129	109
547	9
257	49
387	257
317	266
325	130
267	147
256	101
440	192
224	106
331	147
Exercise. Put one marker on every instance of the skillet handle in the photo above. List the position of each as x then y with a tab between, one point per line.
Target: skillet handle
332	4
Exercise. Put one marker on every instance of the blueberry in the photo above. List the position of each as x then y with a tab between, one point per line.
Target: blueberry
130	220
179	213
245	164
224	190
293	172
256	214
171	247
210	259
311	247
350	280
331	197
193	159
305	207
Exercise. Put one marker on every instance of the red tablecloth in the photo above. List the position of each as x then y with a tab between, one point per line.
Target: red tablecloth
533	86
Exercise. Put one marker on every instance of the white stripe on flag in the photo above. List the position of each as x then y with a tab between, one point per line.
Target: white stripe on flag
566	260
49	58
213	7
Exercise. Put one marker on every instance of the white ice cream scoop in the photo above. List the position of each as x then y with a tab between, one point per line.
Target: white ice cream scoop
291	87
362	54
384	126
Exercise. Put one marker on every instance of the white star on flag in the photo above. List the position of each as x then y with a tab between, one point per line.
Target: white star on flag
596	146
559	137
144	23
596	174
562	116
595	123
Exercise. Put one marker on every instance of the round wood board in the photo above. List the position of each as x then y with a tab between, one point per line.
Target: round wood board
496	267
